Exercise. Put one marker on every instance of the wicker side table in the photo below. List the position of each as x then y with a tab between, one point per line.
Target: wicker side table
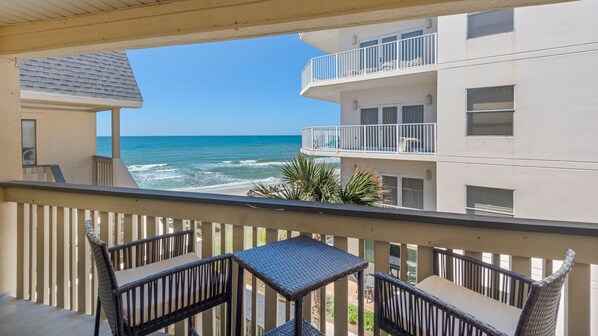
294	268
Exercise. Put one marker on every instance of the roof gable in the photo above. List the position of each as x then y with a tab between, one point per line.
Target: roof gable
105	75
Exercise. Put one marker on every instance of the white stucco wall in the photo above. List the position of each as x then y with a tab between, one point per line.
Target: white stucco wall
66	138
536	28
384	96
555	118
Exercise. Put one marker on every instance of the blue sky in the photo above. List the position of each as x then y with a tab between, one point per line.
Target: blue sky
243	87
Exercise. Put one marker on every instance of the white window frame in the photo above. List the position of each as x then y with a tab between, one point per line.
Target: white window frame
511	214
400	178
399	107
467	38
468	112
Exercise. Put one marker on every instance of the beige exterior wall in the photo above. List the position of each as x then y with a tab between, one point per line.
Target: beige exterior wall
66	138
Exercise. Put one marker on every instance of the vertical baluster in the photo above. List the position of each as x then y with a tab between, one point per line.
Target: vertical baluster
341	295
578	312
72	213
547	268
207	250
43	255
83	266
22	245
33	251
271	297
150	226
425	261
96	222
62	257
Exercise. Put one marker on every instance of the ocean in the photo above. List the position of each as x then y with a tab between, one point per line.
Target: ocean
198	163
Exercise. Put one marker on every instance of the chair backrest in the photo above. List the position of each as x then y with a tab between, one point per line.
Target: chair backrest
106	279
539	314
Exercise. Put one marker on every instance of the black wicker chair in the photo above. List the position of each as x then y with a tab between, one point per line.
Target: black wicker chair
147	285
469	297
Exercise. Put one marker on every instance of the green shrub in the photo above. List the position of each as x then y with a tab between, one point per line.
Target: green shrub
367	314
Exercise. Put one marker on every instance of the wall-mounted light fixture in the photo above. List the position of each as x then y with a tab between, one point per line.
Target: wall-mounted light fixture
428	23
354	39
355	104
428	174
429	99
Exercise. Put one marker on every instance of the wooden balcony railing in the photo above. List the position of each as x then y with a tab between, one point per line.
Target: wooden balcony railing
43	173
102	171
54	264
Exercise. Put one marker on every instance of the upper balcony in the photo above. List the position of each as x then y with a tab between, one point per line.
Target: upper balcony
414	141
402	57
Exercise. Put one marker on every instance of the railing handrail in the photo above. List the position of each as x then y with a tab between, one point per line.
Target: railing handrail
54	169
373	125
336	209
377	45
102	158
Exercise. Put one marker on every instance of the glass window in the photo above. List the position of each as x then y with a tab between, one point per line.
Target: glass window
489	23
490	111
412	193
390	185
28	142
489	201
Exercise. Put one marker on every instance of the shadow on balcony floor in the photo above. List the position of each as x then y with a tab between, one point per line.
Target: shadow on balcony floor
18	317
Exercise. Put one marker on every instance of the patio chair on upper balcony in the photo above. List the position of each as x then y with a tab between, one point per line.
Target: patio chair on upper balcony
470	297
150	284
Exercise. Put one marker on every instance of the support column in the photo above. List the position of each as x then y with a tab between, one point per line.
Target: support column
116	133
10	169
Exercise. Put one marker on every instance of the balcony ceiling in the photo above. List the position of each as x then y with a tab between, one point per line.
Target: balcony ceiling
26	11
331	90
46	28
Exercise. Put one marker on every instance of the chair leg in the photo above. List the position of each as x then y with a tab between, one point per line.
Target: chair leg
96	331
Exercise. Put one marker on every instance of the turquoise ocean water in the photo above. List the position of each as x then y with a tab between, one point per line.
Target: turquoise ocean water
192	163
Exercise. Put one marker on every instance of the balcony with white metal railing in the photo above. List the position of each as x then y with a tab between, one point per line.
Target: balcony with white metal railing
417	138
395	56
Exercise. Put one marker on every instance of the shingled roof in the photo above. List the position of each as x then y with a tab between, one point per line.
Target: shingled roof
105	75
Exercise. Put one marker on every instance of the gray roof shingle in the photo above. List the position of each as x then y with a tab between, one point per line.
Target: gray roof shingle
106	75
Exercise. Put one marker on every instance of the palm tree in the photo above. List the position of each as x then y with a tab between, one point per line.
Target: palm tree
307	180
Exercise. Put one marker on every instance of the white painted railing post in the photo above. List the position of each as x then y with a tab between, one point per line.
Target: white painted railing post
338	138
336	66
364	139
435	139
312	138
397	136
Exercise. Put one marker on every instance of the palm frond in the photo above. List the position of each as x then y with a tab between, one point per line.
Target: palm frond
363	188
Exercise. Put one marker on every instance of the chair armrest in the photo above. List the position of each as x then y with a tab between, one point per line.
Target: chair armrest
205	282
150	250
403	309
489	280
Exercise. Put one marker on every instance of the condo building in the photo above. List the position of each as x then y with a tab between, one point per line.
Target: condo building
470	113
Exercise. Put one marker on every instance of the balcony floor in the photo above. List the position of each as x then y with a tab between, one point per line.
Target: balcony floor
18	317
